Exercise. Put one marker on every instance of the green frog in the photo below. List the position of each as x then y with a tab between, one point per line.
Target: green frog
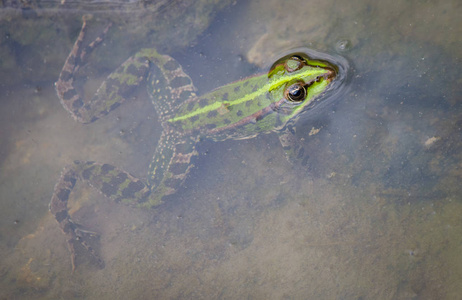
270	102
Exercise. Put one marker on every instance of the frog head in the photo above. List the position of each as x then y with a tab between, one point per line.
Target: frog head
296	82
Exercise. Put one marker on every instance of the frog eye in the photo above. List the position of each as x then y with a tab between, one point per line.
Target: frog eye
294	63
295	93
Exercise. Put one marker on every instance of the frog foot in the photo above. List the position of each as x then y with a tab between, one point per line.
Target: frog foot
83	237
80	108
74	232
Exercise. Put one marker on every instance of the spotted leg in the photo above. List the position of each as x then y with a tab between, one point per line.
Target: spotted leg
173	159
112	182
113	91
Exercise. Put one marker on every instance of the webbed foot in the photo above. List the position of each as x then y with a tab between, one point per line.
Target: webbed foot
83	237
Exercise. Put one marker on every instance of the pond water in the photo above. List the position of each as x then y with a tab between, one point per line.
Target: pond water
374	212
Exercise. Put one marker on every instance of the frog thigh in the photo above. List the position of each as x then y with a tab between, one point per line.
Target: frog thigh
168	85
292	147
173	159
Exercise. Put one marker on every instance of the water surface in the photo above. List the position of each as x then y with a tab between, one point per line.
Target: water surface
374	214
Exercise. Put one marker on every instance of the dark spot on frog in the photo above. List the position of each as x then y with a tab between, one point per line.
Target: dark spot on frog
237	89
62	215
132	188
69	227
194	119
212	114
301	152
191	106
71	179
86	174
93	119
108	189
183	148
225	96
203	102
63	195
179	82
171	65
179	168
68	95
114	106
119	179
239	113
106	168
66	76
227	121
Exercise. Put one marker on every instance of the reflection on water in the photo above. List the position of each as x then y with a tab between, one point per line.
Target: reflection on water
375	213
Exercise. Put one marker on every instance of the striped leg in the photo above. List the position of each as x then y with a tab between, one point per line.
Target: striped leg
110	181
168	85
118	86
173	159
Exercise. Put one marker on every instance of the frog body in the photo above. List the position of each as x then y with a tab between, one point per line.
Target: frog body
263	103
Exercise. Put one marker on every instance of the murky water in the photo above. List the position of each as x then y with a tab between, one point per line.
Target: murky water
374	214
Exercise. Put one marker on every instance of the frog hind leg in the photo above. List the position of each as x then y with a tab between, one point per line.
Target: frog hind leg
173	160
168	85
117	87
109	180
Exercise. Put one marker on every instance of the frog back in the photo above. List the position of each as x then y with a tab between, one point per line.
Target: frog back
228	112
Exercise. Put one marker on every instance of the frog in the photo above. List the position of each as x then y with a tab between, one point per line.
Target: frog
271	102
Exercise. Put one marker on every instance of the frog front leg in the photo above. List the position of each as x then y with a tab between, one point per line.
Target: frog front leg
292	147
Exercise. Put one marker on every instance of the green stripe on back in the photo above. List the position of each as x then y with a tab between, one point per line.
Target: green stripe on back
274	84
